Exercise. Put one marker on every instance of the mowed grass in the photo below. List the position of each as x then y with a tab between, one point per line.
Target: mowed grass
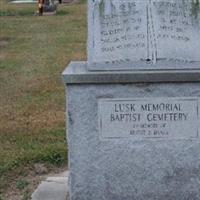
34	52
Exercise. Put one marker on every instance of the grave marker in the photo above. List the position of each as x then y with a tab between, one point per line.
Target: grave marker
136	34
133	108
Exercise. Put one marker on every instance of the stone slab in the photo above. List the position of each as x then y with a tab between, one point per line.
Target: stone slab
147	34
77	72
53	188
124	168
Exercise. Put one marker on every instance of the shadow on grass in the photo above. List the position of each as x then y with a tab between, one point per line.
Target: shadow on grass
27	13
18	13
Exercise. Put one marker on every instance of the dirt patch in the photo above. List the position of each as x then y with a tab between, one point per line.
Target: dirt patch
4	42
21	187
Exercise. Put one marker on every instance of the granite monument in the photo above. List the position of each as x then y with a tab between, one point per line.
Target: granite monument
133	109
127	34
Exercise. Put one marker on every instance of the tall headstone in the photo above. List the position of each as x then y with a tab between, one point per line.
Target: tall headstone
133	122
135	34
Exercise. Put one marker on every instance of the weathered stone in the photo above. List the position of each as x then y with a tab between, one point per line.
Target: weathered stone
122	34
127	168
134	135
40	169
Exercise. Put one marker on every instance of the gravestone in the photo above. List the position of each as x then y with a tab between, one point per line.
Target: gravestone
122	33
133	121
50	7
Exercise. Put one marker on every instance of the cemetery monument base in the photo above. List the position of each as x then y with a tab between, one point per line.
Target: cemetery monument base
116	155
133	122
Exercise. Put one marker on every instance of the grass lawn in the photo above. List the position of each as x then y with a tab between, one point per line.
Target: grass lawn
34	52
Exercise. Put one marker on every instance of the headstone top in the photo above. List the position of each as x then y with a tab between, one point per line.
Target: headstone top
123	33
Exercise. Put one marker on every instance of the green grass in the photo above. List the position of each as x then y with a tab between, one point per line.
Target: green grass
21	184
34	52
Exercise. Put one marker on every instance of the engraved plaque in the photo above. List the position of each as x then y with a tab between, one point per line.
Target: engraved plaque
164	118
143	34
117	31
177	29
